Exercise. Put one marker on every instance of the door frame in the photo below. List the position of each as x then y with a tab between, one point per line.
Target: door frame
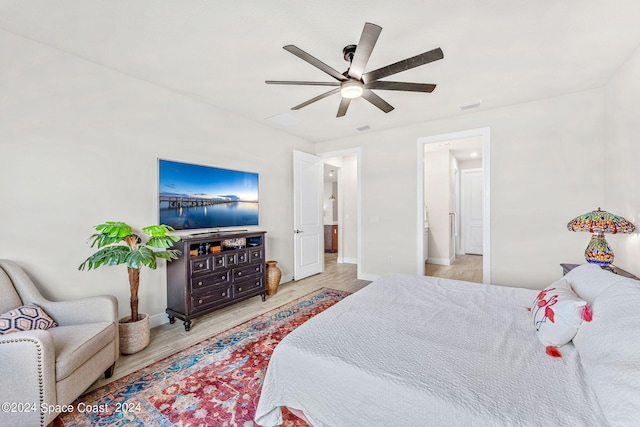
485	134
342	153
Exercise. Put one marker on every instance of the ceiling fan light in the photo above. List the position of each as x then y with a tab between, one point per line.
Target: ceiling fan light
351	89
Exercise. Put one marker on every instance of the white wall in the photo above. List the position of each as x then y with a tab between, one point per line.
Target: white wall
79	146
622	154
436	197
546	167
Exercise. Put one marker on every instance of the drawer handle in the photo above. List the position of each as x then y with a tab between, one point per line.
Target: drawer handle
223	277
200	301
239	273
199	283
257	268
239	289
201	265
224	294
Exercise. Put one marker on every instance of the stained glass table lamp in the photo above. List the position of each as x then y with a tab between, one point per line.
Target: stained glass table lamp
600	222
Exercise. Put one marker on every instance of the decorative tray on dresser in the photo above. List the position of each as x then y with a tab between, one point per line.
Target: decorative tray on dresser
214	271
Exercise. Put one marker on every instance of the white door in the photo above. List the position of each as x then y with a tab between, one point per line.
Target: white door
308	227
472	210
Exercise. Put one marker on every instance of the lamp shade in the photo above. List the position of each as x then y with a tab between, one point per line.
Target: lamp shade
599	222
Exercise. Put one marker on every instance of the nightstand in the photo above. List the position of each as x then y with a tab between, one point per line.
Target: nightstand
612	268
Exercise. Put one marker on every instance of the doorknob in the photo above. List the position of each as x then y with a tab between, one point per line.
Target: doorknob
298	231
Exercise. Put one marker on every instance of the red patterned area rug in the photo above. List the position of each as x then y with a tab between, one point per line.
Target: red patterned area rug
216	382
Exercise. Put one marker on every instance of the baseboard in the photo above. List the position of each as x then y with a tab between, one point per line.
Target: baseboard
158	319
439	261
368	276
348	260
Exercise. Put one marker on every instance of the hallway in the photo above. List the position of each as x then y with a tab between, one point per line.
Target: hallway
465	267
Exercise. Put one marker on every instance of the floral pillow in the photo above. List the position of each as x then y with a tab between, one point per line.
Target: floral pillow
25	318
557	315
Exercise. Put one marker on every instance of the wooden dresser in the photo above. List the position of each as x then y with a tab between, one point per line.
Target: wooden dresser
214	271
331	238
612	268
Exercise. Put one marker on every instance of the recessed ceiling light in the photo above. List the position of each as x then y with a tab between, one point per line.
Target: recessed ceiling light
363	128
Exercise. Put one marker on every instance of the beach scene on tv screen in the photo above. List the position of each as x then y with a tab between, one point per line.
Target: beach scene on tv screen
198	196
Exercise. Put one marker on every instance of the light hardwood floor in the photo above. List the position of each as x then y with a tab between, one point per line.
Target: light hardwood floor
167	339
465	267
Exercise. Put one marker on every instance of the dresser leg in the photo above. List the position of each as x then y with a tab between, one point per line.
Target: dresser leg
187	325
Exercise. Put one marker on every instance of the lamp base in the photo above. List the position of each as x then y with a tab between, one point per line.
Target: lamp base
598	251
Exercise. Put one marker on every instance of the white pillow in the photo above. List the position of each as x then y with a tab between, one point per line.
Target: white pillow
609	349
557	314
588	280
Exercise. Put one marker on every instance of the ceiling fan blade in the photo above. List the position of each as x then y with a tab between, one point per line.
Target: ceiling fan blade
408	87
376	100
314	61
317	98
368	40
344	104
291	82
405	64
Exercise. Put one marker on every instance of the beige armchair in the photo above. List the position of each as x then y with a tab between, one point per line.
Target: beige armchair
41	370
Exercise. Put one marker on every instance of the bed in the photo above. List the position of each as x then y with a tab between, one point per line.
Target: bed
423	351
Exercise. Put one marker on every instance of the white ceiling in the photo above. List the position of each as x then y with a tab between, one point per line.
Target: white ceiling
498	51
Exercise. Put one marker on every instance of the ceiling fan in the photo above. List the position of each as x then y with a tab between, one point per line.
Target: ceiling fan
354	82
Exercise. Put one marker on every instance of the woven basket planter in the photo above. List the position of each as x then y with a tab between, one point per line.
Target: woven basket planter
134	336
273	277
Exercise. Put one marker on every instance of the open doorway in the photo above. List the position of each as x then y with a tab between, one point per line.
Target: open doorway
330	205
341	202
453	198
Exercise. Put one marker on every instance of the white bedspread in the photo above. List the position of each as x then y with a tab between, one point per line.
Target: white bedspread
421	351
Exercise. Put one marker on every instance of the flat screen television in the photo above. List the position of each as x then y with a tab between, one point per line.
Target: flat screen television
204	197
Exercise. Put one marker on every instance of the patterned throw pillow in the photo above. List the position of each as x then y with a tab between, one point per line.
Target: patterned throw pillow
557	314
25	318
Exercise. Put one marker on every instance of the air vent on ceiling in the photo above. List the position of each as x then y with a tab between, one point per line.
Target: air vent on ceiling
470	105
363	128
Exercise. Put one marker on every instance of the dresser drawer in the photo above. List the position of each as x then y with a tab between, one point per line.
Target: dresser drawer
200	265
255	254
243	257
218	262
248	271
197	284
214	297
248	286
231	259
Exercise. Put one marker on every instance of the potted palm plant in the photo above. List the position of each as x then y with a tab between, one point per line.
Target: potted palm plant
117	244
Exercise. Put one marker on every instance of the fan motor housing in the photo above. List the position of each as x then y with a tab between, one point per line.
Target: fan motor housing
348	52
